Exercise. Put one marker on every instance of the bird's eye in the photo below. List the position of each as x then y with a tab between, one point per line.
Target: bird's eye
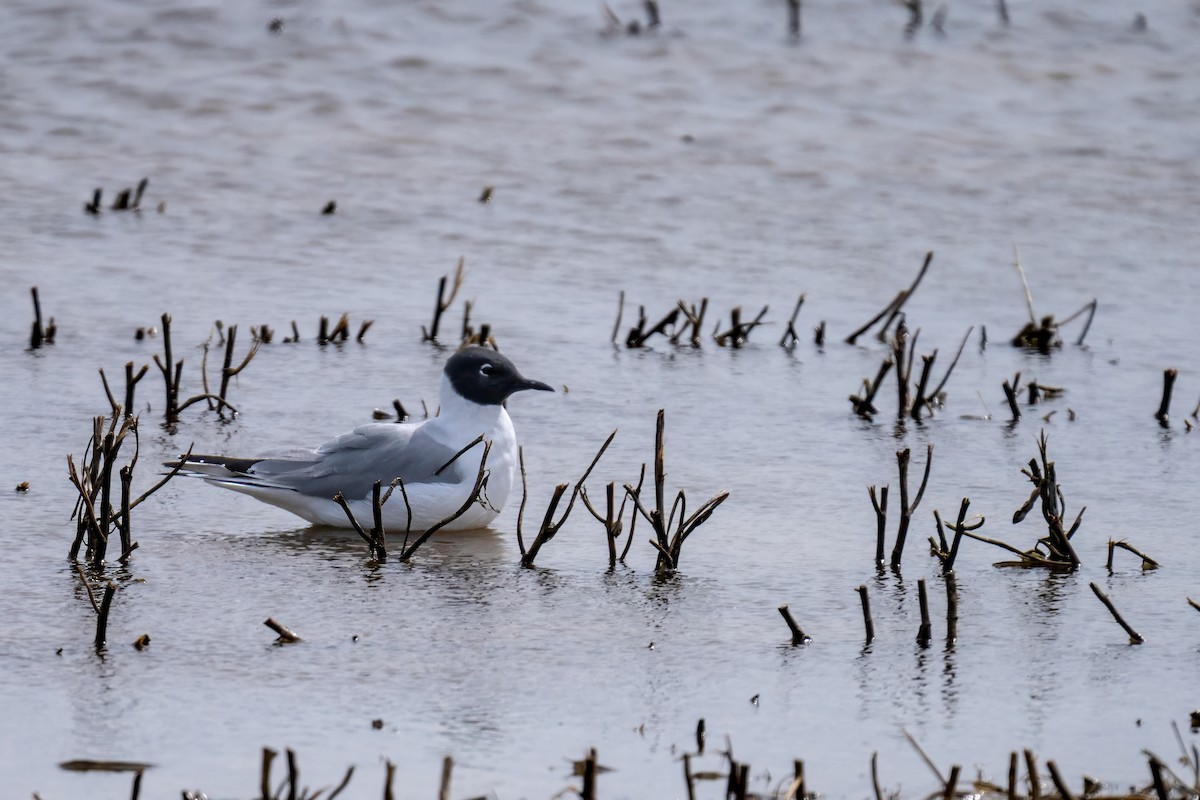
486	370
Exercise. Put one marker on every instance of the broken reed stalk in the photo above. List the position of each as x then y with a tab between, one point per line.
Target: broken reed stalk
228	371
924	633
866	610
892	308
1091	309
798	636
620	311
1164	406
1134	636
790	337
102	616
1010	393
286	634
444	301
951	608
906	508
1147	561
670	545
864	406
588	791
739	332
880	507
38	334
1059	783
444	785
549	527
480	481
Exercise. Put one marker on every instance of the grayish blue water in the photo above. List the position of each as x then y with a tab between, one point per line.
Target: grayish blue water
713	158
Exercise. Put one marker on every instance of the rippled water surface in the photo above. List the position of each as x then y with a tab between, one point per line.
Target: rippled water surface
711	158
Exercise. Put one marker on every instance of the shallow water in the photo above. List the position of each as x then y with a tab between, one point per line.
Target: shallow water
710	159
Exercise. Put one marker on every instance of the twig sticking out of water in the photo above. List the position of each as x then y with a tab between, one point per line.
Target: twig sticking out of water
906	508
1134	636
94	206
924	633
951	608
1010	393
102	617
819	335
123	202
738	332
330	208
227	370
444	301
286	634
39	335
549	527
790	337
880	506
794	18
669	547
444	785
590	770
866	610
864	405
892	310
1147	561
620	297
1193	604
1057	779
798	636
1164	406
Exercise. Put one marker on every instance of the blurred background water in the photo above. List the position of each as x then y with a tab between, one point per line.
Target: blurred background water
714	157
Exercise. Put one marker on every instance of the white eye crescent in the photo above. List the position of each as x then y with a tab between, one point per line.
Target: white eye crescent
486	370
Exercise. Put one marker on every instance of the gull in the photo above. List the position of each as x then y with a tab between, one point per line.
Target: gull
438	476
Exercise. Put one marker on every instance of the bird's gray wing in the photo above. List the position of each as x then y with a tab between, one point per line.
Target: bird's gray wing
352	462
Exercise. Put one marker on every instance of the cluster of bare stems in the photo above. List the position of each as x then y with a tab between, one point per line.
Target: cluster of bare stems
1054	550
907	507
172	372
40	334
910	401
634	27
98	512
682	326
376	538
339	333
1163	782
1042	334
670	534
445	298
734	774
126	200
1036	393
